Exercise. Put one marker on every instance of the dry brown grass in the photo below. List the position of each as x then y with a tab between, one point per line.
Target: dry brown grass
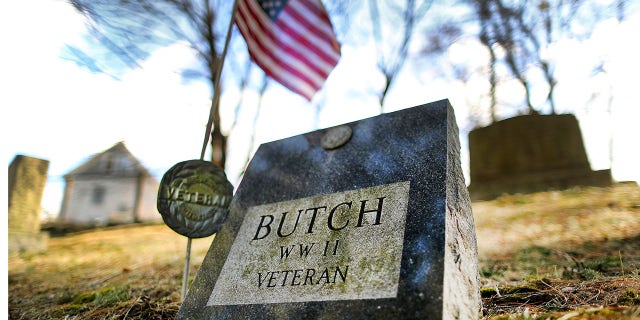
559	255
573	254
130	272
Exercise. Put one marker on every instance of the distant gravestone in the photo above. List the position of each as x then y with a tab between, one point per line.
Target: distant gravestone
368	220
27	178
530	153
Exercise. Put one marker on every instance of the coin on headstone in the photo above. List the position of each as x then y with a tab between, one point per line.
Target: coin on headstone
336	137
194	198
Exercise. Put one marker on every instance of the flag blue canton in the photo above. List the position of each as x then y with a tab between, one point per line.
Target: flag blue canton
291	40
272	7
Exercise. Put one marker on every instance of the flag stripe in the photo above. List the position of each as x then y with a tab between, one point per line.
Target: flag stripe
295	51
296	45
306	35
276	69
316	21
283	58
298	49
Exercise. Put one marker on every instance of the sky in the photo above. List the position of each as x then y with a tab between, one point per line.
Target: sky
52	109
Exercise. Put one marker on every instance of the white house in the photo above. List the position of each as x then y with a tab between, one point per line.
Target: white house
112	187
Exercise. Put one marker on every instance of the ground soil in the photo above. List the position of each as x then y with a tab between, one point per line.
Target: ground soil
572	254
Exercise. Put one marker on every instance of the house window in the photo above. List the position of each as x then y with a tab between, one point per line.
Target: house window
109	164
98	195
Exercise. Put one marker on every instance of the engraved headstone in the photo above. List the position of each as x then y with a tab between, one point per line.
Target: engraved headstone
369	222
27	179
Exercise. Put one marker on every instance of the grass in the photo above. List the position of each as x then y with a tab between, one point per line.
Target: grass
132	272
572	254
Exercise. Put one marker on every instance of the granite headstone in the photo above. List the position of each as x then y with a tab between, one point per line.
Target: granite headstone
367	220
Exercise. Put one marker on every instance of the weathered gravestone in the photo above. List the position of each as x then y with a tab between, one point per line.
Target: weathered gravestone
530	153
369	220
27	178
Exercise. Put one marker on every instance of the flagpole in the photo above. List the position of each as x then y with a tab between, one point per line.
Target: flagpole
215	101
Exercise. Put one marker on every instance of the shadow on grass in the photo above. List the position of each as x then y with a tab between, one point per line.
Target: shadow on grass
596	279
586	261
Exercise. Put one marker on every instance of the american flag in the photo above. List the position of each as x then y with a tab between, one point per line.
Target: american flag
292	41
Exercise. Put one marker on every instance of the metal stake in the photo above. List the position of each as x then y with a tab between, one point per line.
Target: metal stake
214	104
185	276
216	84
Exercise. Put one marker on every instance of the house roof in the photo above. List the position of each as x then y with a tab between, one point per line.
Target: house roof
116	161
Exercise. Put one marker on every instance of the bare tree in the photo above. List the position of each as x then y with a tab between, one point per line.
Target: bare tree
129	31
526	31
499	26
252	143
392	51
493	77
519	37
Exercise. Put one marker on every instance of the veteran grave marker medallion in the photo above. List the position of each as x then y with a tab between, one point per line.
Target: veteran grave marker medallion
194	198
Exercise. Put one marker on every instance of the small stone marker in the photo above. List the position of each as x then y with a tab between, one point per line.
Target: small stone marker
27	179
369	222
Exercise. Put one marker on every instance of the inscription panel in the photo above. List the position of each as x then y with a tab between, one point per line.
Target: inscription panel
339	246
